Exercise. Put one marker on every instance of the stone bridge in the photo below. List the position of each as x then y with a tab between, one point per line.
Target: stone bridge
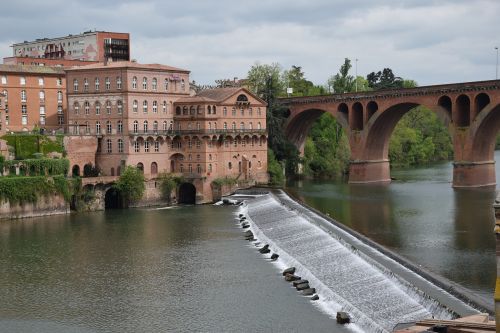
470	111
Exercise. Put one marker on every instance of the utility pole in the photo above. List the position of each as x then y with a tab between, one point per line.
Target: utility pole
496	67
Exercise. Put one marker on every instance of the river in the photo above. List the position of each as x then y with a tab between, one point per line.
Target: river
420	216
185	269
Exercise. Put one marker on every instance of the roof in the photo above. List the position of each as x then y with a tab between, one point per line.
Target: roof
194	99
128	64
31	69
85	33
218	94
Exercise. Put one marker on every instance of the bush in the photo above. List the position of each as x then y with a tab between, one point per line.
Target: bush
168	182
274	168
131	184
39	166
219	182
26	145
29	189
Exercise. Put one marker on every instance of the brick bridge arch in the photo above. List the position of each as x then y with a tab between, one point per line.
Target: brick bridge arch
470	111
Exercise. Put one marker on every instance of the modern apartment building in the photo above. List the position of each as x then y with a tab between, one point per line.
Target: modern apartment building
146	116
87	46
34	97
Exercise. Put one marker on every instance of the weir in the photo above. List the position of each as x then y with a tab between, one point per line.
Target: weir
348	274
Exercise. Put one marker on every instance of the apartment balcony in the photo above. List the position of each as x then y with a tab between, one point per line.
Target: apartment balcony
198	132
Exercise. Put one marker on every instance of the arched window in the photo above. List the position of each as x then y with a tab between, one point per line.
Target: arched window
135	106
214	110
108	127
210	168
119	126
242	98
23	95
97	107
120	145
154	168
233	126
134	82
250	126
136	126
183	84
108	107
87	128
198	168
190	166
107	83
145	126
145	106
259	126
76	108
85	84
178	111
119	105
140	166
155	107
75	85
155	126
164	106
109	145
209	110
242	126
96	81
233	112
224	111
86	106
59	96
144	83
165	126
154	84
42	96
118	82
198	126
97	127
165	83
225	126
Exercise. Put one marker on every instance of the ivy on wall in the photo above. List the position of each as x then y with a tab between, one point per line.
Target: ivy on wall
37	166
29	189
27	145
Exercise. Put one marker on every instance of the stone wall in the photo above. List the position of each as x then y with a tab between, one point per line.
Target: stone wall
496	206
46	205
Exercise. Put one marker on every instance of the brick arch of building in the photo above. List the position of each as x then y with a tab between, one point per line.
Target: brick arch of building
471	112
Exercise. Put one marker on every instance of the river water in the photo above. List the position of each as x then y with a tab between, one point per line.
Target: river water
185	269
420	216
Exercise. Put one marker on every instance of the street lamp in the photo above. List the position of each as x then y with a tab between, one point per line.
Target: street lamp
356	77
496	67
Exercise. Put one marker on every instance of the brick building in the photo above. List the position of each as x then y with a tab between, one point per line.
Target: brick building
87	46
144	115
34	96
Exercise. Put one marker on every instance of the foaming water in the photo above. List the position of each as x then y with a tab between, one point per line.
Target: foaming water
346	279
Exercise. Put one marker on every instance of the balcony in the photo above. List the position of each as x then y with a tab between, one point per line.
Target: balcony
200	131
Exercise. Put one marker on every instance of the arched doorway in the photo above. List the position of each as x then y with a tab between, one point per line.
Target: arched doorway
113	199
187	193
140	166
75	171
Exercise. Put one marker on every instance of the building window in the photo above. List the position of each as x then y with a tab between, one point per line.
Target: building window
108	107
250	126
145	126
259	126
164	125
108	127
183	84
24	119
4	79
250	112
76	129
59	96
75	85
120	145
242	126
198	126
157	146
233	112
118	82
258	112
97	108
23	95
229	165
155	107
40	81
134	82
198	157
42	96
97	127
96	81
42	115
59	109
198	168
233	126
242	111
59	82
225	126
182	168
164	106
235	143
165	84
144	83
145	106
146	146
198	144
135	106
190	144
60	119
119	105
136	147
136	126
22	81
210	168
154	84
120	126
190	168
226	143
87	128
155	126
107	83
85	84
224	112
76	108
109	145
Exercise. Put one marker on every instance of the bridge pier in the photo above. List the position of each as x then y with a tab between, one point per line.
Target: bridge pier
369	171
474	174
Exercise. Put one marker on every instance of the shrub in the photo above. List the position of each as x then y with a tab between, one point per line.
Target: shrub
131	184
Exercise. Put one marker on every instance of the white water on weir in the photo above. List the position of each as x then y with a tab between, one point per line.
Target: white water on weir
344	279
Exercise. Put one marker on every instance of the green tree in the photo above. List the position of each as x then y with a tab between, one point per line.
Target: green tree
384	79
294	78
342	82
168	183
131	184
265	80
274	168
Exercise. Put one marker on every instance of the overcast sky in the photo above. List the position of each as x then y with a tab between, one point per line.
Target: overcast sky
430	41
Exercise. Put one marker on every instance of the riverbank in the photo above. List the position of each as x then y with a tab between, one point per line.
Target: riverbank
394	269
